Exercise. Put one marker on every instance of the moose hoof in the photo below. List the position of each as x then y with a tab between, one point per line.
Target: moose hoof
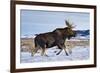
32	54
46	55
57	54
55	51
67	54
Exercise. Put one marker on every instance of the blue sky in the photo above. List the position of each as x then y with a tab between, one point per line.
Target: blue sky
35	22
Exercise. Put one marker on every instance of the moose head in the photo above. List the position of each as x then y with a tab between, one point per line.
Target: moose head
69	30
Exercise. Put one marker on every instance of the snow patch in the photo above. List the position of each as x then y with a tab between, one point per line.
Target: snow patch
78	53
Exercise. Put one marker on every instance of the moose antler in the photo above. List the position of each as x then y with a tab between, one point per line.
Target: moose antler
69	24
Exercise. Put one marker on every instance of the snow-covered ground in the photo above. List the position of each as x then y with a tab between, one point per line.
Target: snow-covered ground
78	53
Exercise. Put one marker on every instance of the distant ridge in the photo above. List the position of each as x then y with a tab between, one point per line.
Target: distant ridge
83	32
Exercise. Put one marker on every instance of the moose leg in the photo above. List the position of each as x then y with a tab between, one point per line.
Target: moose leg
62	47
70	51
34	51
65	51
69	48
59	46
43	51
59	52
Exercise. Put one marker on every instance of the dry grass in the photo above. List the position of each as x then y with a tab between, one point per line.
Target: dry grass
72	44
27	44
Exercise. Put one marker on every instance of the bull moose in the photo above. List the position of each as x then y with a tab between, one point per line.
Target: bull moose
55	38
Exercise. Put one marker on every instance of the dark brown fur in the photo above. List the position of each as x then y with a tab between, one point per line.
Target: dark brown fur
54	38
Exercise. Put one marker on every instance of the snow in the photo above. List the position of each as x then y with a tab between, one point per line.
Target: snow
28	36
78	53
